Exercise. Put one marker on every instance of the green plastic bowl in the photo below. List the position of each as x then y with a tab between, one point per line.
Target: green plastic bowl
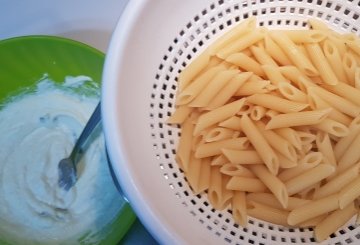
24	60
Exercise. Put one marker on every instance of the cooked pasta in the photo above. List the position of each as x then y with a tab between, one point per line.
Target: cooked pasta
270	125
211	89
276	103
265	151
242	156
275	51
236	170
270	214
293	52
273	183
298	119
335	184
313	209
308	178
333	222
333	57
239	208
305	36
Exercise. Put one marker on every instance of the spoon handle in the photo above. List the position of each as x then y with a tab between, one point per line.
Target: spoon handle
90	126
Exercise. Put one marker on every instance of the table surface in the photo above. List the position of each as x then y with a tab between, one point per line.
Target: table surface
88	21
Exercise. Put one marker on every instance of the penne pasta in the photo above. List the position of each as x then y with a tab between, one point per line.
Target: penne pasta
277	142
184	147
257	112
308	193
209	92
354	45
349	193
246	63
217	134
313	209
324	146
297	77
285	162
236	32
290	135
273	73
214	61
269	214
240	44
355	55
309	178
219	196
198	174
214	148
292	93
310	161
236	170
336	101
271	113
332	127
276	103
339	43
220	114
180	114
338	182
274	184
357	78
192	90
231	123
238	205
312	222
238	183
305	36
316	102
333	57
275	51
242	156
266	153
297	119
293	52
323	67
270	200
316	24
349	64
262	56
228	90
306	137
346	91
333	222
343	144
351	155
219	160
253	87
196	66
245	109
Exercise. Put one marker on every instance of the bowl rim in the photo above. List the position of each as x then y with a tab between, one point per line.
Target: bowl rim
52	38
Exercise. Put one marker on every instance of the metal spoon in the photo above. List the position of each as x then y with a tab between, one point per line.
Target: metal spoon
67	166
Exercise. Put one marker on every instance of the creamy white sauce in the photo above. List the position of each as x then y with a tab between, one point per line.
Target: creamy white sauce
37	130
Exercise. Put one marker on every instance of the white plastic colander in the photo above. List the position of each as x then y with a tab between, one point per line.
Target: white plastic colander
154	40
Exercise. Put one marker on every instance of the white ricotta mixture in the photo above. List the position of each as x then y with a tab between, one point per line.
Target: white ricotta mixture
37	130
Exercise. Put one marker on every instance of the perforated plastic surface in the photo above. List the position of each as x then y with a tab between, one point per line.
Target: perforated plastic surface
215	18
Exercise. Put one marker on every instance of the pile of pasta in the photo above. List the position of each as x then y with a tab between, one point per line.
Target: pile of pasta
270	125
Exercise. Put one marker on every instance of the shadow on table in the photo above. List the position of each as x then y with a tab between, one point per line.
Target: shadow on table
138	235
